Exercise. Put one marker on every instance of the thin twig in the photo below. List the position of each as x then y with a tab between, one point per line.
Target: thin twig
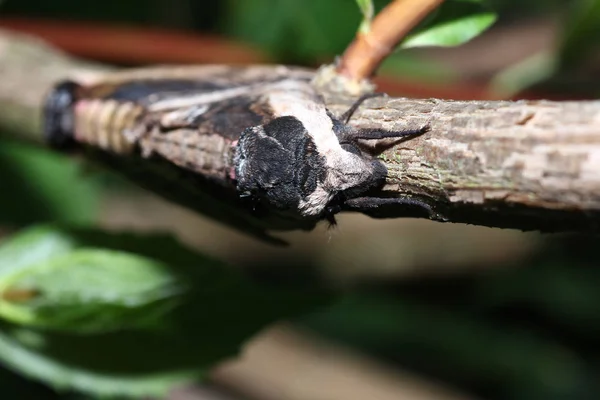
369	49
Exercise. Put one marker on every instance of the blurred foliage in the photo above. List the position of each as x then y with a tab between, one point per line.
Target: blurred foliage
513	333
39	186
581	39
302	32
569	68
46	282
367	8
452	24
82	308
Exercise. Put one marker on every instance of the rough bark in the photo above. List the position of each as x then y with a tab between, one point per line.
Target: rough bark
525	164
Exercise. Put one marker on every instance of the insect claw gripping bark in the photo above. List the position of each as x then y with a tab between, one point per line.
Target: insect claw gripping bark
258	152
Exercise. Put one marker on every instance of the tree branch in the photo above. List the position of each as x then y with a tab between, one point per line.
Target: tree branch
525	165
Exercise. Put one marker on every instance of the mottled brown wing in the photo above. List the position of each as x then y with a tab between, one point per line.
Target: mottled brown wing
174	134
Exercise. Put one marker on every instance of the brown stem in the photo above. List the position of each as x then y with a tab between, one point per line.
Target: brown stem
511	164
363	56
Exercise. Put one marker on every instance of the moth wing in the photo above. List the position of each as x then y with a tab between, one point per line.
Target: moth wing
175	185
186	129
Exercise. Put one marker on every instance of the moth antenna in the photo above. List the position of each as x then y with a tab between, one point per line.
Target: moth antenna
374	134
348	114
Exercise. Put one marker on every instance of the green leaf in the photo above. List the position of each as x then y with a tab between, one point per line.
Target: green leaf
368	10
39	186
89	290
50	278
105	331
123	365
32	245
450	33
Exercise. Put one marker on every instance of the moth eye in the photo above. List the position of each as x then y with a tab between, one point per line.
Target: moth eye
350	148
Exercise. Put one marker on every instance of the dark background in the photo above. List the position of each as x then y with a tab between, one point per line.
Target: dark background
496	314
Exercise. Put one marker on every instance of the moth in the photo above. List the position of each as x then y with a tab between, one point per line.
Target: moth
255	148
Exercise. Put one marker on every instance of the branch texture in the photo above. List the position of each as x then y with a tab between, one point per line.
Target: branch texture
524	165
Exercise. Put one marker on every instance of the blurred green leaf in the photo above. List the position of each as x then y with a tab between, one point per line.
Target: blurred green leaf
524	74
301	30
50	278
368	10
38	186
106	366
451	34
454	23
30	246
96	295
89	290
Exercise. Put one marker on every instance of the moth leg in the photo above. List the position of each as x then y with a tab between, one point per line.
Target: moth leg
330	212
366	204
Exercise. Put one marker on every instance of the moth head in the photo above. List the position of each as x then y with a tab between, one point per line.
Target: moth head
370	172
360	169
288	167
